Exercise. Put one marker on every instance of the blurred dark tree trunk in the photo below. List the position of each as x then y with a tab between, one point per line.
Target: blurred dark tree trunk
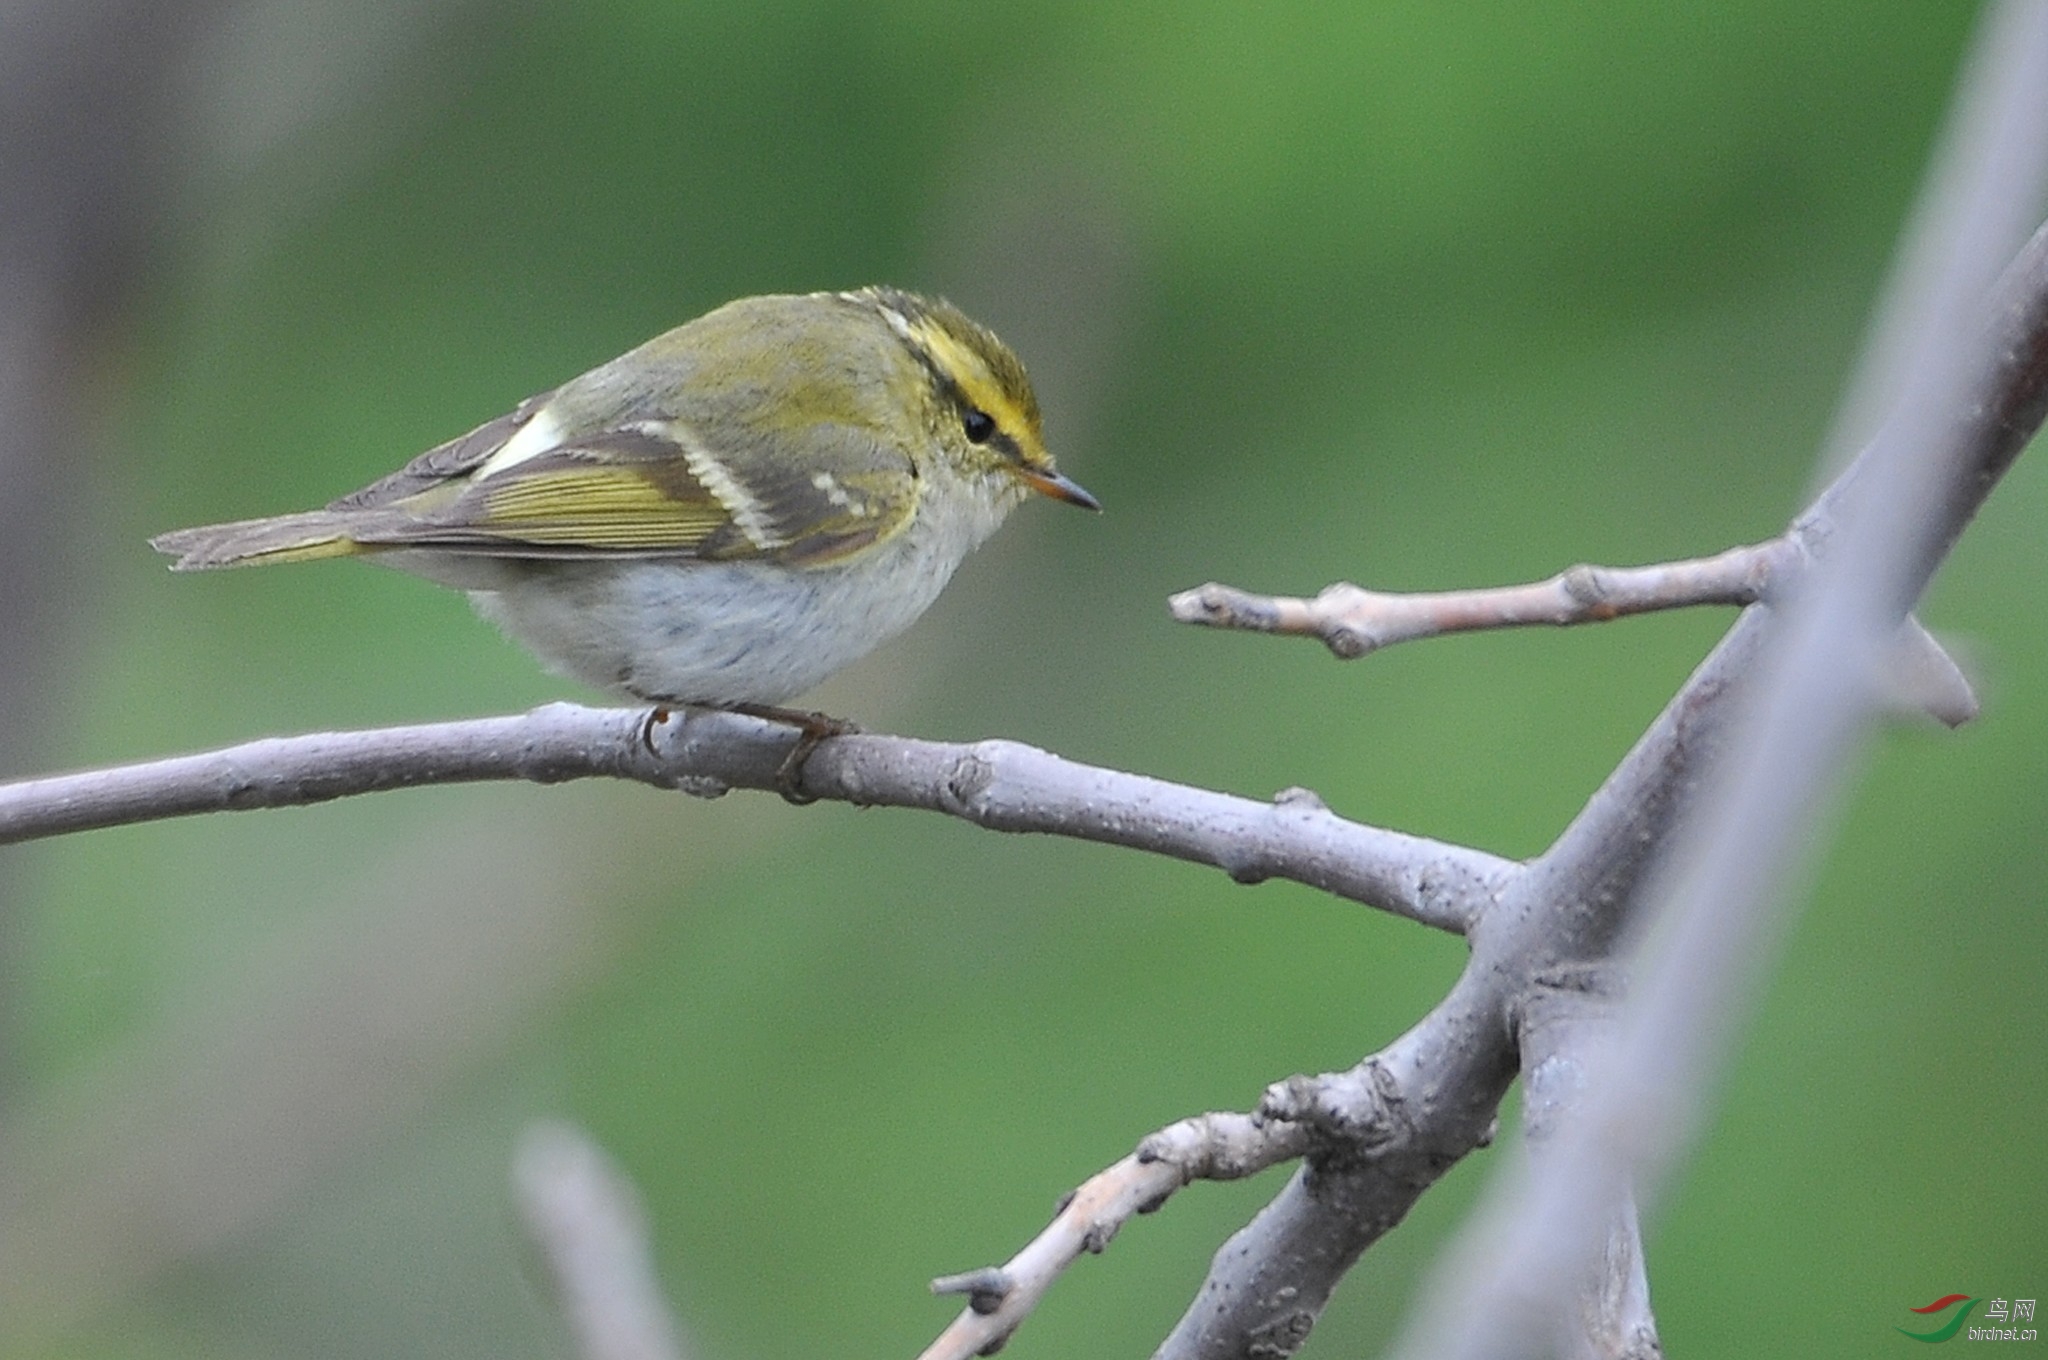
88	161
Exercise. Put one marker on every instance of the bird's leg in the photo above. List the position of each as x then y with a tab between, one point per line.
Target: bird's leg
656	717
812	728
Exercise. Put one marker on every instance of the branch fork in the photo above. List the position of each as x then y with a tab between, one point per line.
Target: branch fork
1216	1146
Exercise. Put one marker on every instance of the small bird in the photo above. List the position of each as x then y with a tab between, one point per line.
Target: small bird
724	516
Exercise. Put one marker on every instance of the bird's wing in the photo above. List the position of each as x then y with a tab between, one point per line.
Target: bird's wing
445	463
808	495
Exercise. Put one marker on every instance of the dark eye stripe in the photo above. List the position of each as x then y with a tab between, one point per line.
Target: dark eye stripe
979	426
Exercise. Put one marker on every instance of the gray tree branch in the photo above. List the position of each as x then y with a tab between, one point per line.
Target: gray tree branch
1566	1024
1973	396
585	1221
1215	1147
1354	622
1000	785
1574	903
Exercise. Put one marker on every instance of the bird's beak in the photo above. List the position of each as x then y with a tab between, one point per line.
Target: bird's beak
1058	487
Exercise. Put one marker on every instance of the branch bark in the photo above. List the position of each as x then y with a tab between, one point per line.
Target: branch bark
1975	396
1566	1023
584	1219
1354	622
1574	902
1000	785
1208	1147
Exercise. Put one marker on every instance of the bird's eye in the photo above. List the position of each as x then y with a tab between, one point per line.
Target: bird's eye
980	425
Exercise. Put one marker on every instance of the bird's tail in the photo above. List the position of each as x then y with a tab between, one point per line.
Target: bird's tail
255	542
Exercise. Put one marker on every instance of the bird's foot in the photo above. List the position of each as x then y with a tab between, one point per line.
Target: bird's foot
812	728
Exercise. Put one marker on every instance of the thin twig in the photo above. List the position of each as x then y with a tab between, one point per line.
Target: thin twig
1001	785
1354	622
389	979
1207	1147
584	1219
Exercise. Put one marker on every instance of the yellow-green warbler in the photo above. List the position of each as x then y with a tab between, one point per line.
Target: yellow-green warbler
724	516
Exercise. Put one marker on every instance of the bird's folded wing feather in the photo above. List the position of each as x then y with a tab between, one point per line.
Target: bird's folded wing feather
650	488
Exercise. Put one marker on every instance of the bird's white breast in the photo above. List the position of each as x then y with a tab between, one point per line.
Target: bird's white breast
739	632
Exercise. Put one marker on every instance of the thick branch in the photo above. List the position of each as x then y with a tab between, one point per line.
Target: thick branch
1974	397
1566	1022
1001	785
1390	1128
1575	900
1365	1134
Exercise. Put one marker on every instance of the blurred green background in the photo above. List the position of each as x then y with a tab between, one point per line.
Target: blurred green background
1414	295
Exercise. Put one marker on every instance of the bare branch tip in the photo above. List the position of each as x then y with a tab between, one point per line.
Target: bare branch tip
1215	605
1925	677
1290	1101
986	1289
